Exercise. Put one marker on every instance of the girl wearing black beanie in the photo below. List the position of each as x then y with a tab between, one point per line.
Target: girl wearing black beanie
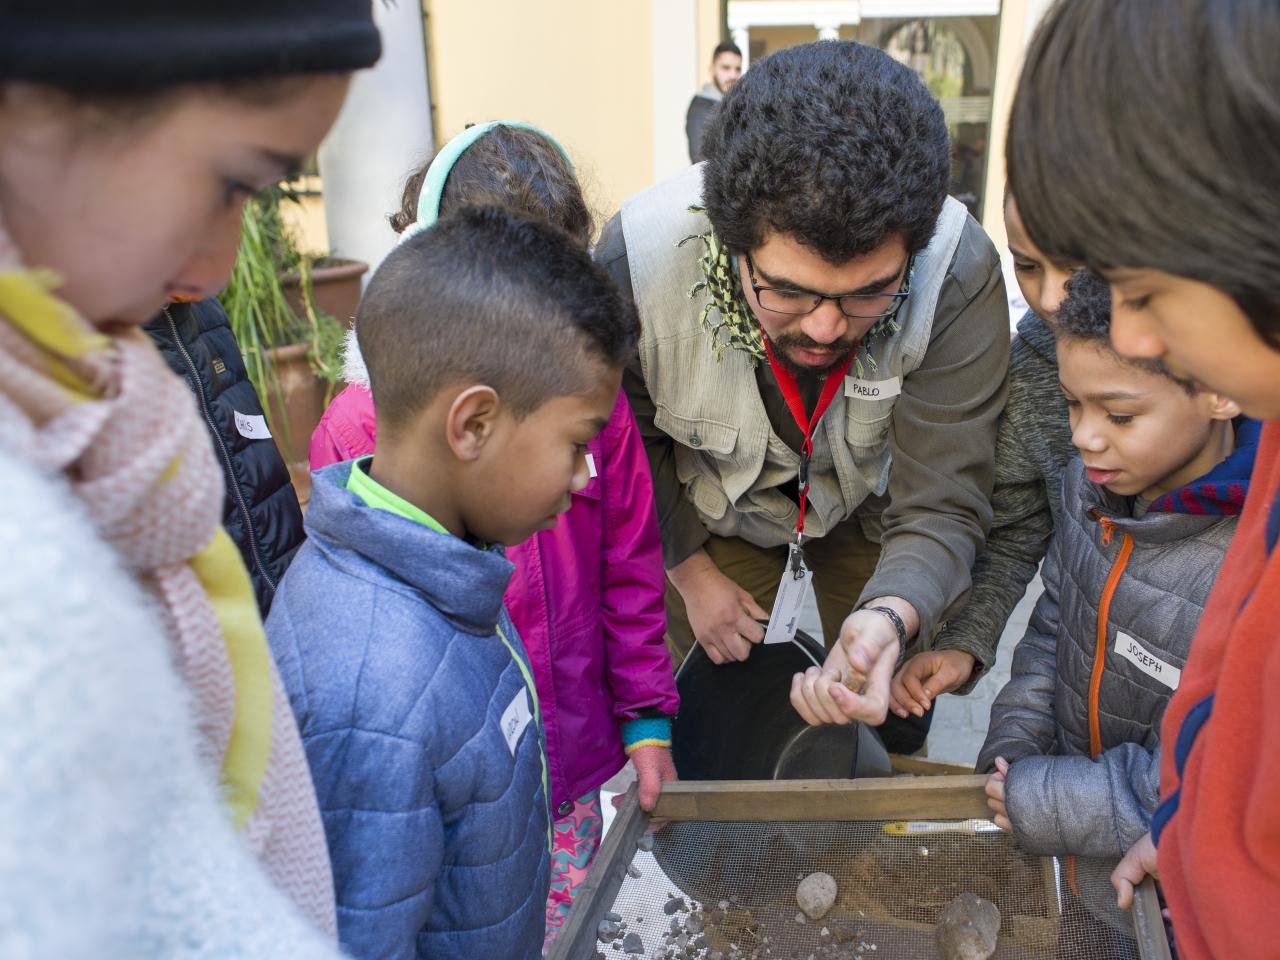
157	802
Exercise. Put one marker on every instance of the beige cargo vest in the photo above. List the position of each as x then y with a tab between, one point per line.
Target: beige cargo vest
728	459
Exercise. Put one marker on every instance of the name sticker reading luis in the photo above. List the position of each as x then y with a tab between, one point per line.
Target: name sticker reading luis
515	718
251	427
1146	661
872	389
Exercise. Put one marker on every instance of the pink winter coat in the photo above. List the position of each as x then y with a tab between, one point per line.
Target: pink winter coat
586	596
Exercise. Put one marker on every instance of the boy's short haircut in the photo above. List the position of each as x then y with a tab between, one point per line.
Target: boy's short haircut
1085	315
834	143
1146	133
489	296
728	46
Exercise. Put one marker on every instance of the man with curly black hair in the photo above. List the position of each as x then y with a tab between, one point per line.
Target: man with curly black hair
823	358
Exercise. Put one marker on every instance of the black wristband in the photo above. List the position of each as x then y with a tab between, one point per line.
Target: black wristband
898	625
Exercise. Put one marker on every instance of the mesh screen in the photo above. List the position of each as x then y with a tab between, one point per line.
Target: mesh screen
727	891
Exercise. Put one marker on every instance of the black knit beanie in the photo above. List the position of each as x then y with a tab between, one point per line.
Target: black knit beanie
137	45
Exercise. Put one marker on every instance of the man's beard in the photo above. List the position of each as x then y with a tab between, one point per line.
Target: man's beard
838	351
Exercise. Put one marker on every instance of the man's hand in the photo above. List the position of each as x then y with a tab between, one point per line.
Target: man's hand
927	676
995	795
821	696
866	633
722	615
1132	868
654	767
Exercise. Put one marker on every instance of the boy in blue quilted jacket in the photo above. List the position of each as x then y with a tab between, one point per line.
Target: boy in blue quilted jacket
494	347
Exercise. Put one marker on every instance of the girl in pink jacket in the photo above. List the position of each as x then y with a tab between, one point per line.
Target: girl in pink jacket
587	595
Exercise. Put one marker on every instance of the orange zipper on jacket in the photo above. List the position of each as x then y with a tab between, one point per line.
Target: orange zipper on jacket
1100	644
1100	653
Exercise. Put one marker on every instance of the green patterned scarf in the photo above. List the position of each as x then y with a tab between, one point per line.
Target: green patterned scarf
729	320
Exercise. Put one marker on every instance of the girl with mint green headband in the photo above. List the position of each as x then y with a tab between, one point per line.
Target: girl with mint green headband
586	596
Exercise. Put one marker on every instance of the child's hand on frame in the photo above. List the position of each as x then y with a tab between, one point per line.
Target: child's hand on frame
653	766
927	676
1132	868
995	795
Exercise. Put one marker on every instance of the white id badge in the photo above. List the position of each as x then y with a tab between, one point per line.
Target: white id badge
515	719
789	603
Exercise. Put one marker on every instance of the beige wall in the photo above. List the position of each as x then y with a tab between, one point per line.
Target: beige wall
581	69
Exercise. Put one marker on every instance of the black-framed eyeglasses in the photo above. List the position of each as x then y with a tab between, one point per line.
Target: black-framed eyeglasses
863	306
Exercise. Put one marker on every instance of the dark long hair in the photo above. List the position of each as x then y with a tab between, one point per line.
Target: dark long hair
1146	133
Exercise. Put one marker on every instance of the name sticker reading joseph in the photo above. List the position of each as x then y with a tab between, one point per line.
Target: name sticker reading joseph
872	389
1146	661
515	718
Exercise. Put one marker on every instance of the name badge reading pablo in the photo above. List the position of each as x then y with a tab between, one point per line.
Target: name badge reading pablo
1147	662
515	718
789	603
872	389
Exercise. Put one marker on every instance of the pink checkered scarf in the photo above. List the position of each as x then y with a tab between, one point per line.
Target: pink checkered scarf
109	418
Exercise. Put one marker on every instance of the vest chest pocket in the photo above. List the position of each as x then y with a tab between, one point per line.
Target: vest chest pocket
698	434
867	421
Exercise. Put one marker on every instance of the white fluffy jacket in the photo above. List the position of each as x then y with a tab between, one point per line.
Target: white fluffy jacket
113	840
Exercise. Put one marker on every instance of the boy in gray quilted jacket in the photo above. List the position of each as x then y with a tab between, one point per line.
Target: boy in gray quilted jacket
1149	508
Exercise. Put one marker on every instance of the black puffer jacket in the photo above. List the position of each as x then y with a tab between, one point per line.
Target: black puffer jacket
261	512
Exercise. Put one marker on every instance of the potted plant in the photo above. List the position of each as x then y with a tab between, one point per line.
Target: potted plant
293	356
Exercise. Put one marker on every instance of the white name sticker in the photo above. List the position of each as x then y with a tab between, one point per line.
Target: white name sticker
592	472
872	389
1146	661
515	718
789	602
254	428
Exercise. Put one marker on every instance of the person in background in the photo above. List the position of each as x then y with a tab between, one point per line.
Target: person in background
586	595
1176	205
260	511
157	799
726	68
1149	509
1033	448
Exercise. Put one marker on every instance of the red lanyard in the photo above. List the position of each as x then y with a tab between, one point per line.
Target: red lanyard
791	393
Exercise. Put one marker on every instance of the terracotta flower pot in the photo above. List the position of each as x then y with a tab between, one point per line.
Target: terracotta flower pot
294	404
335	286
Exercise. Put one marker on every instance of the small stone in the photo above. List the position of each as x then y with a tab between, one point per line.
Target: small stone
614	917
815	894
645	842
855	680
724	904
824	932
609	930
675	905
799	918
696	923
632	943
967	928
633	871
